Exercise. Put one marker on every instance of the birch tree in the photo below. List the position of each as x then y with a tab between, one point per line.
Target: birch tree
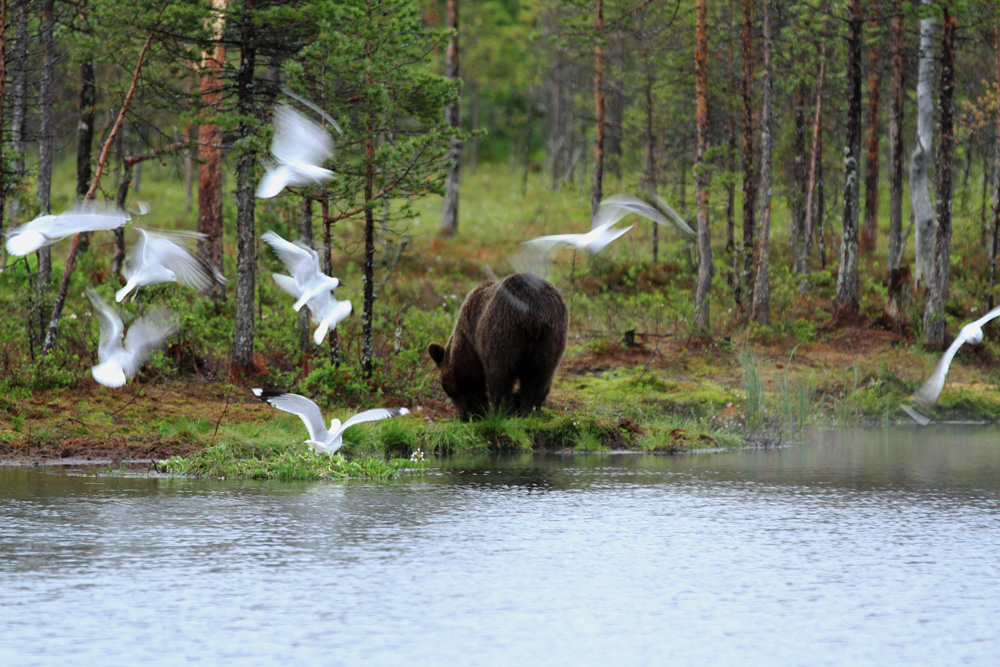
46	133
995	219
937	279
846	301
923	213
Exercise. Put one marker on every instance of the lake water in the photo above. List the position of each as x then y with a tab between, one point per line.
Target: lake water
856	547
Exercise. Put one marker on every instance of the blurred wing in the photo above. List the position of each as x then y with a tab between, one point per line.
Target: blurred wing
605	238
315	108
273	182
614	208
673	217
931	389
370	416
190	271
533	257
146	334
287	284
915	416
136	255
299	406
988	316
298	139
301	262
96	218
111	326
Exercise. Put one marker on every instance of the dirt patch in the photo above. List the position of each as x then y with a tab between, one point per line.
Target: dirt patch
92	451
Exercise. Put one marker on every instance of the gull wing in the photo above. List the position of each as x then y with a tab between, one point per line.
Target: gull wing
297	139
299	406
160	248
370	416
931	389
95	217
301	261
111	326
604	238
146	334
616	207
915	416
287	284
673	217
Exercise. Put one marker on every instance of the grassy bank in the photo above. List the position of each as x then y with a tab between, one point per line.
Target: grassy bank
671	388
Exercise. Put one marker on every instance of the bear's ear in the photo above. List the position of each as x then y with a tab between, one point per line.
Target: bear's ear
437	352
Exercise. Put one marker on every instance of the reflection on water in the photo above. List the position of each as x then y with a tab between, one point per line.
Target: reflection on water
868	547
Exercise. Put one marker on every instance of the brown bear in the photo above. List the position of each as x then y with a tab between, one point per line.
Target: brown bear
509	332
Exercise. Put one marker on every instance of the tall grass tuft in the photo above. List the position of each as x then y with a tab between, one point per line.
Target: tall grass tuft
795	399
753	389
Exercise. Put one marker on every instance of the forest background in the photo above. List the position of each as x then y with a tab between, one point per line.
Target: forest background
839	160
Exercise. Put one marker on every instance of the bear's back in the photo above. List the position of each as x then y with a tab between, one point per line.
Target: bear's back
522	309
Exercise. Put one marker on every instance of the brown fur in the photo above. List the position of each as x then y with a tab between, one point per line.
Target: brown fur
509	332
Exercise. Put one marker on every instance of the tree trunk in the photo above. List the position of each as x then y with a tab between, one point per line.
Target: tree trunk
557	133
733	263
802	257
760	308
597	186
85	129
799	170
616	108
46	136
246	259
701	173
846	303
898	297
749	173
449	219
210	148
923	212
306	232
332	336
4	185
649	176
937	283
367	348
19	104
995	222
869	231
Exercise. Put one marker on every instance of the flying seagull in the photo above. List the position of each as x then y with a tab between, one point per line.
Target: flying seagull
121	357
971	333
322	441
324	310
303	263
617	207
157	258
47	229
299	147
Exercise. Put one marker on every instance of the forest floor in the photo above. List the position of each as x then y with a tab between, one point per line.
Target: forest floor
673	389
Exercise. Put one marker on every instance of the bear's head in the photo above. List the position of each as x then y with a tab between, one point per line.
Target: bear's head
467	392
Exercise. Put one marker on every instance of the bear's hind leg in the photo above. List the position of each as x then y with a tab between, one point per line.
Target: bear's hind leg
500	384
